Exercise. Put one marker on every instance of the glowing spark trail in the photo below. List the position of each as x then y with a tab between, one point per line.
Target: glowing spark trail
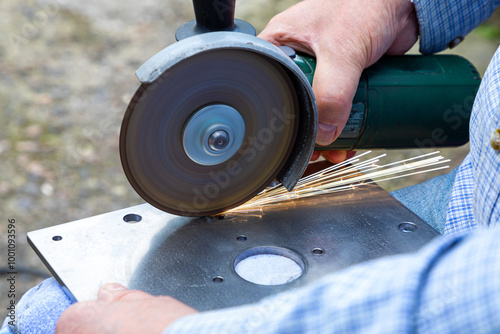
347	175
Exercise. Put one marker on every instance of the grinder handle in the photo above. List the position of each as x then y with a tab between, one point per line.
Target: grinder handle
411	101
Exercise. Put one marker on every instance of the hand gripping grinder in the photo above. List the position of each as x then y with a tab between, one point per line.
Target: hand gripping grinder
221	113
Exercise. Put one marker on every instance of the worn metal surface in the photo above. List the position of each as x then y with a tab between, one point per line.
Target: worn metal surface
193	259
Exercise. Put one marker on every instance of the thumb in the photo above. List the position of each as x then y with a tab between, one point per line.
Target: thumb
111	292
335	82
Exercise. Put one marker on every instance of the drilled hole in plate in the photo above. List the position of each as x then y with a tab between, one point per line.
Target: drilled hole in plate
318	251
241	238
269	265
57	238
132	218
218	279
407	227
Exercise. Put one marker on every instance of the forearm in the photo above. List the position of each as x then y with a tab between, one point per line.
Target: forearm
444	23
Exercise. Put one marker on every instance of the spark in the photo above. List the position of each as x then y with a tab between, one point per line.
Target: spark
346	176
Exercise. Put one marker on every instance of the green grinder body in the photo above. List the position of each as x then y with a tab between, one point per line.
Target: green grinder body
411	101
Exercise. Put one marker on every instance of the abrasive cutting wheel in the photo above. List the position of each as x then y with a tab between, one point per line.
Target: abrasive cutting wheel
210	132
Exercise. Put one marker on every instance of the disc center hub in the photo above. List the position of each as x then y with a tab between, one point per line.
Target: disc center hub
218	140
213	134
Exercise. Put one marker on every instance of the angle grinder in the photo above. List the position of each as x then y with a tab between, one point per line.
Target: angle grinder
221	113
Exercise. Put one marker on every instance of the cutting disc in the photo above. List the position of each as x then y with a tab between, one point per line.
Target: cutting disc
210	133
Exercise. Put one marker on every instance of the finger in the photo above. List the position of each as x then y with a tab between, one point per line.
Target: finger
407	35
285	29
337	156
335	82
334	157
351	154
283	34
406	38
78	318
315	155
111	292
316	167
275	33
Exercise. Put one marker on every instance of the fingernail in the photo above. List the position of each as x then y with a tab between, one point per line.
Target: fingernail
326	132
108	291
114	287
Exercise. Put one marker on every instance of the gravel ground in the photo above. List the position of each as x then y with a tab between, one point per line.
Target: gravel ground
66	76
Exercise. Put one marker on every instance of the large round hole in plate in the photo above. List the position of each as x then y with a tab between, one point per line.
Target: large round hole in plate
269	265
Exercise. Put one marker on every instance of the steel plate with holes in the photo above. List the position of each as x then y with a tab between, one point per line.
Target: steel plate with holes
194	259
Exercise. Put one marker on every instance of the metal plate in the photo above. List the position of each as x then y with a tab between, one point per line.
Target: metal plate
165	254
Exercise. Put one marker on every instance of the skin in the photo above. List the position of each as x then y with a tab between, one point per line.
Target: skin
346	36
119	310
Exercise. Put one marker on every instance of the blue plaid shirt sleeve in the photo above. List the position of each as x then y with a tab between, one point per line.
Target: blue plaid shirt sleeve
485	125
450	286
475	194
441	22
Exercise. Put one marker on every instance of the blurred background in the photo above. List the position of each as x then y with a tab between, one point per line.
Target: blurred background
66	77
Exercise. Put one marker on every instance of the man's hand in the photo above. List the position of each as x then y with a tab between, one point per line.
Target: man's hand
118	310
346	37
